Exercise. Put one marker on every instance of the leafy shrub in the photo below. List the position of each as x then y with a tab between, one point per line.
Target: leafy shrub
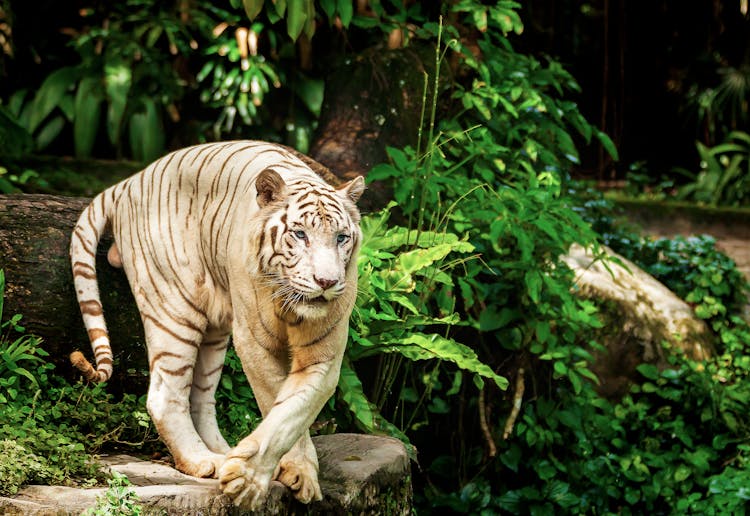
123	86
495	174
17	465
677	443
118	500
48	427
236	409
723	177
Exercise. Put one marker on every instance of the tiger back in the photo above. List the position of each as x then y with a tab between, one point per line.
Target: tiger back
239	238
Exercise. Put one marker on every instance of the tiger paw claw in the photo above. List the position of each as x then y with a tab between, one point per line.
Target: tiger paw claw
243	481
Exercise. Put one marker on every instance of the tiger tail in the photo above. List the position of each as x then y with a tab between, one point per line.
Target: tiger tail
83	244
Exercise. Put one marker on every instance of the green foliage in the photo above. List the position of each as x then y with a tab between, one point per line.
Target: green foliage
494	173
676	444
236	77
697	272
123	84
17	466
17	356
300	14
494	299
405	277
118	500
721	107
14	139
15	183
724	176
236	409
48	428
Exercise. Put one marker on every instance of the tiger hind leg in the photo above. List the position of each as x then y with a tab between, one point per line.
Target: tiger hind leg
172	358
206	377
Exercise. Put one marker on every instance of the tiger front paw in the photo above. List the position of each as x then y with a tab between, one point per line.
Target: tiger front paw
244	480
204	465
301	476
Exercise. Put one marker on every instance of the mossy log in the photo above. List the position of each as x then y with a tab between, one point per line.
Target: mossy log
34	240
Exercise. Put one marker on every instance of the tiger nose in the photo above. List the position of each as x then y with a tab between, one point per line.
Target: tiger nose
324	283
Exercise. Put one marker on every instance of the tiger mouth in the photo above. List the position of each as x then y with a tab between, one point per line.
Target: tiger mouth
320	300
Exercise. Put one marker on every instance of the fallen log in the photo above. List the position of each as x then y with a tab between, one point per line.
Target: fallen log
34	240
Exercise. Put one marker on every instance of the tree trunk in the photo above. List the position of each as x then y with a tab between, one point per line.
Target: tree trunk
34	240
373	101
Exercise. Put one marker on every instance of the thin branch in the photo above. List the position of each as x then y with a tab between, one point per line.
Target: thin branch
517	399
492	449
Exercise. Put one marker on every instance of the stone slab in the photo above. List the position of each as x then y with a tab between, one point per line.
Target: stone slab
359	474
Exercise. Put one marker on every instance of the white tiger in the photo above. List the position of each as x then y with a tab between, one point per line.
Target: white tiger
233	237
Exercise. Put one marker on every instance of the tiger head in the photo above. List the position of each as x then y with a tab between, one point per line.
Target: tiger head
309	241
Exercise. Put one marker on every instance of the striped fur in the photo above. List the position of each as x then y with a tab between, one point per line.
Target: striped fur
238	238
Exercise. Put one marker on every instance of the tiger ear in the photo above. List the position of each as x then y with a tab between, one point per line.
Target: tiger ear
353	189
270	187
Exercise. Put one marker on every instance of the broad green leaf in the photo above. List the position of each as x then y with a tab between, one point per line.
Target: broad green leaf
575	381
117	78
310	20
88	103
16	102
650	371
311	92
50	94
345	9
252	8
329	8
533	281
420	258
295	17
425	347
353	395
280	7
49	132
560	368
146	133
15	140
607	143
153	35
490	319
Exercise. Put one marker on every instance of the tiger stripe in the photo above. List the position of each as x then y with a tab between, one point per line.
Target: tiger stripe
236	237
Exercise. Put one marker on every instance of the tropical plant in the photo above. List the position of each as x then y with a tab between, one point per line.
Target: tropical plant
722	107
125	83
724	176
19	356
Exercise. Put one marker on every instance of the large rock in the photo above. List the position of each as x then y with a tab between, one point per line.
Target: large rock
359	474
642	314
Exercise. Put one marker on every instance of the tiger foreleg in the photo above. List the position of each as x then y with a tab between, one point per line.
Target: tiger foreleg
251	465
298	470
